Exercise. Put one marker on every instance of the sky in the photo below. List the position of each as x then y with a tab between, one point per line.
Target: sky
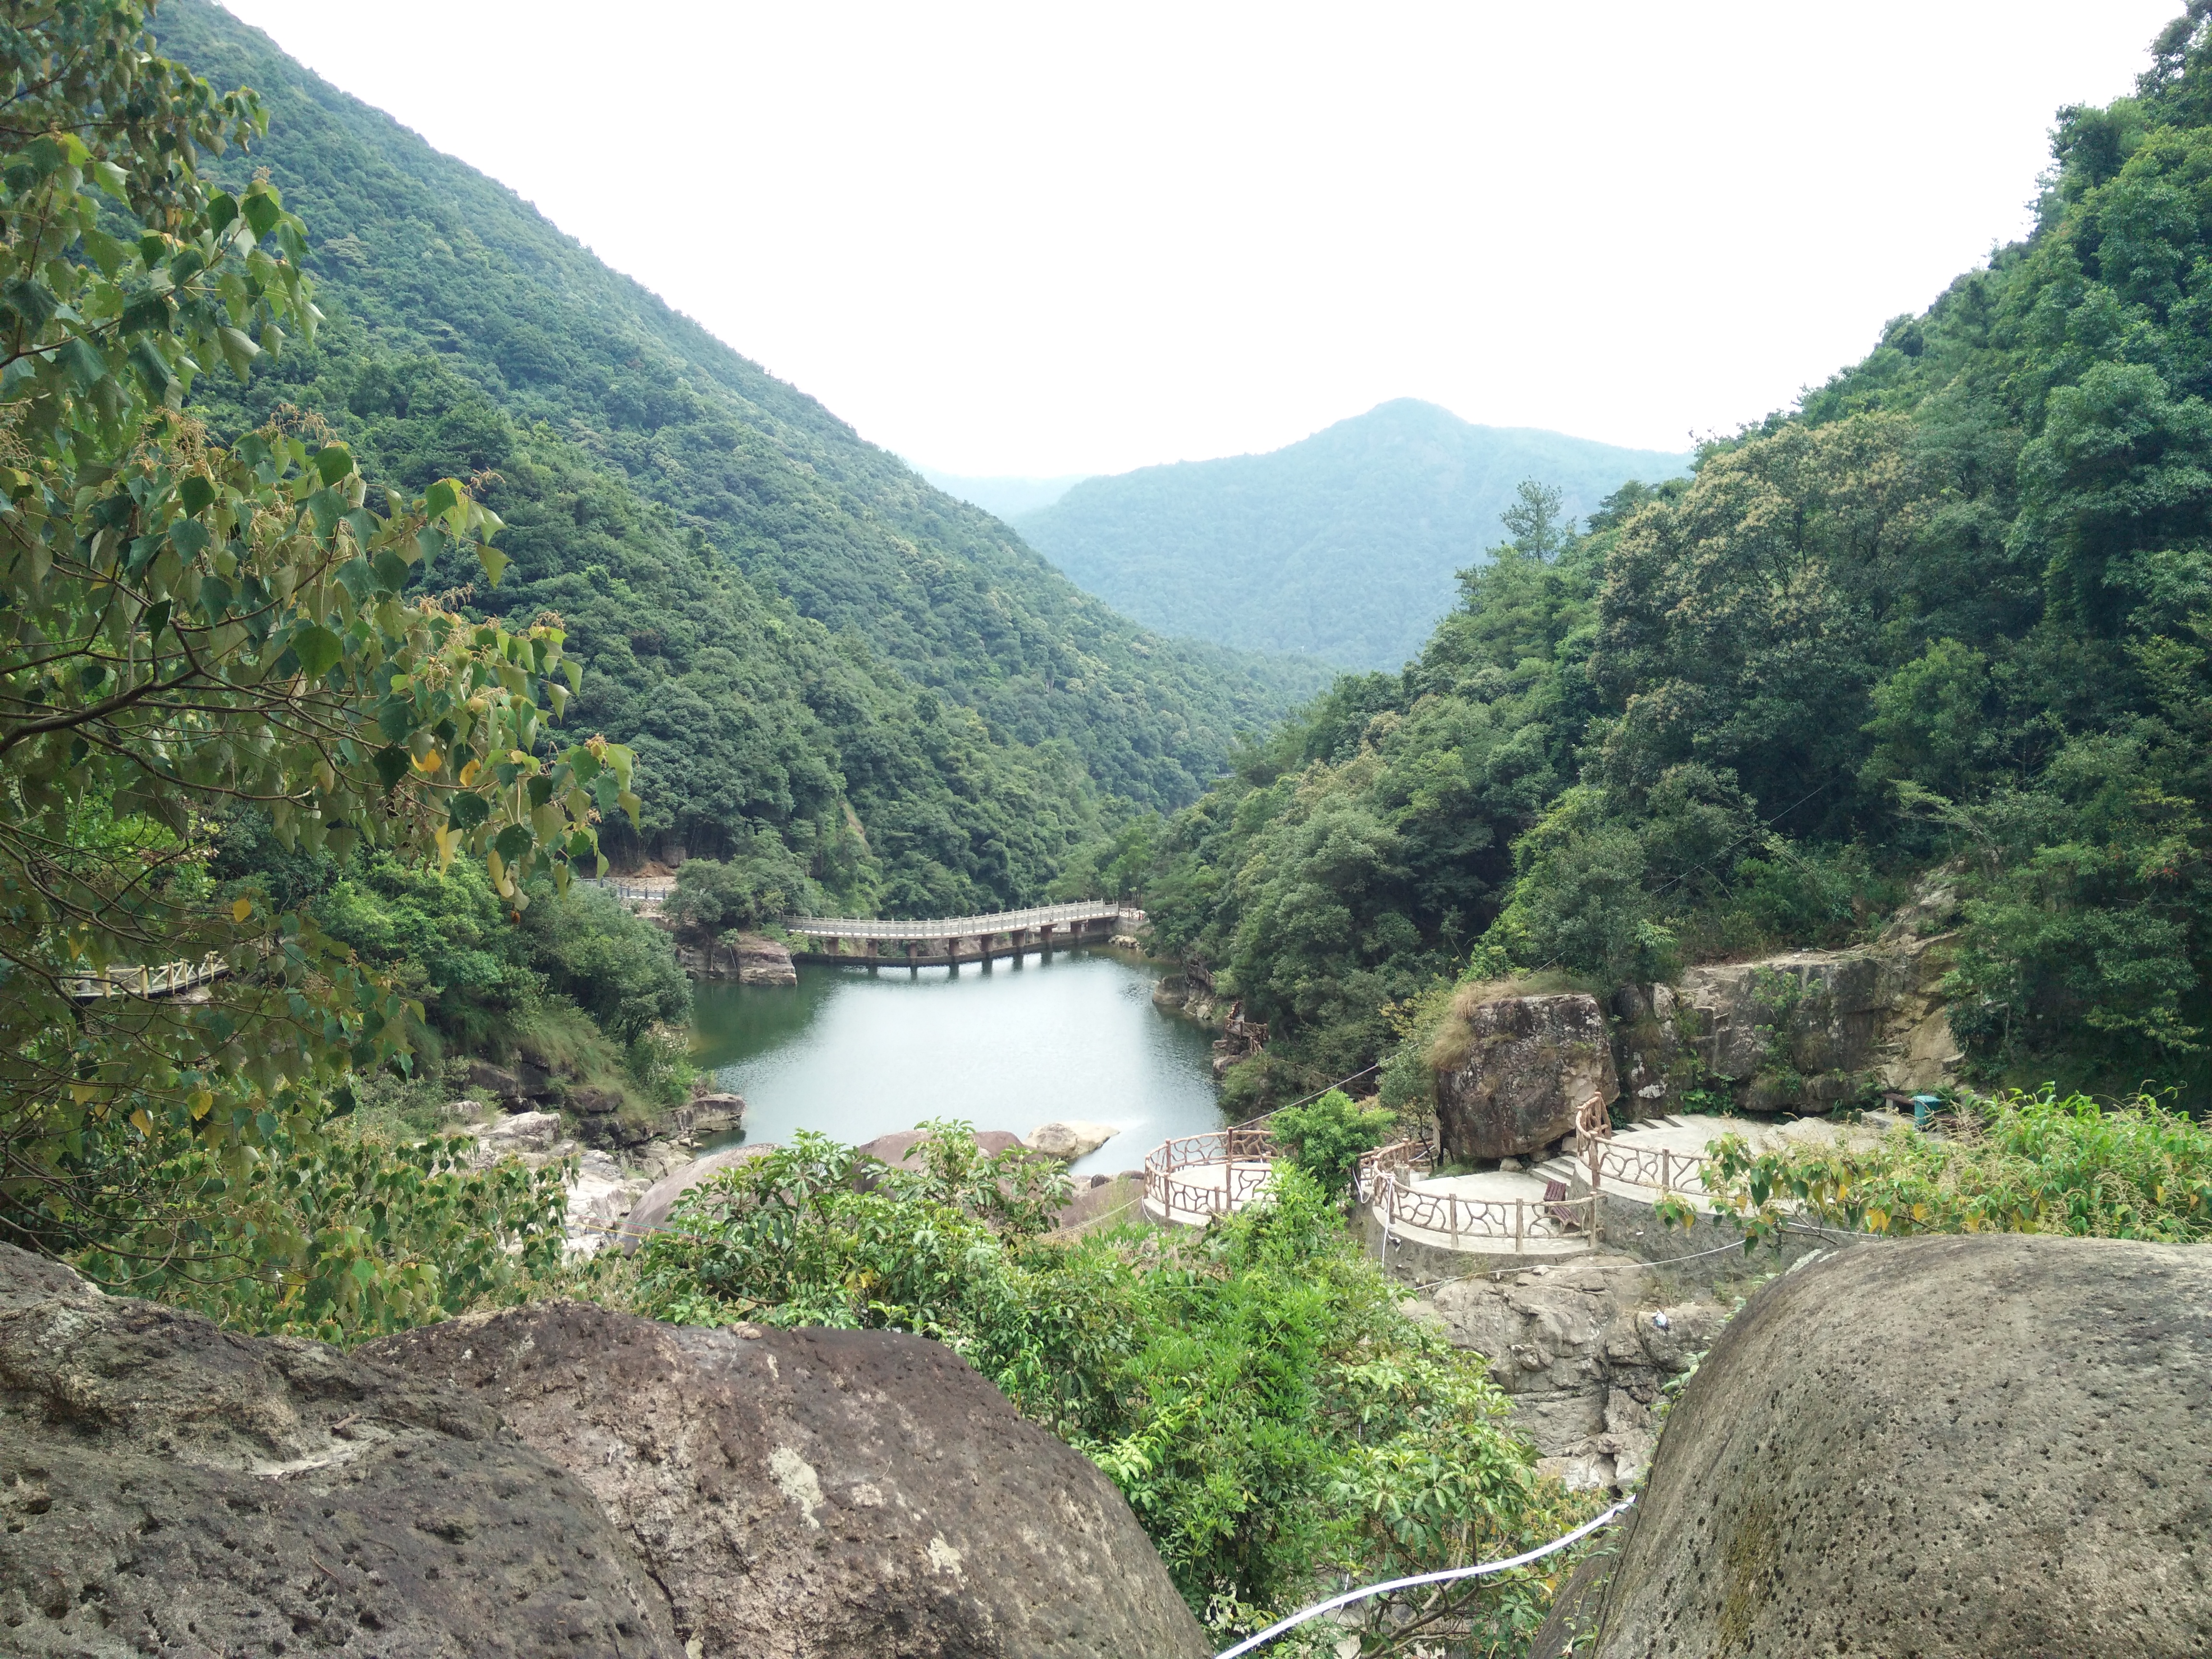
1037	239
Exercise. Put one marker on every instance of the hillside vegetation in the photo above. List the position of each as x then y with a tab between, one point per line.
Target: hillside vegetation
799	636
1344	546
1954	610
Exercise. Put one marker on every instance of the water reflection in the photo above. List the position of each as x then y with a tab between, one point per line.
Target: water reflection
856	1056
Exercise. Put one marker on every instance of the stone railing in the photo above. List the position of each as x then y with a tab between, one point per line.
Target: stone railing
1242	1155
1384	1183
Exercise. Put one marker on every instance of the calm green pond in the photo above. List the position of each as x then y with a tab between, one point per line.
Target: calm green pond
856	1056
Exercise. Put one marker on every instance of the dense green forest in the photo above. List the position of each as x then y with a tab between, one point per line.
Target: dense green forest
1954	610
1341	546
797	636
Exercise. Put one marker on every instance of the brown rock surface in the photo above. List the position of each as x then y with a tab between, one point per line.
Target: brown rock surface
1978	1448
817	1494
1529	1064
168	1487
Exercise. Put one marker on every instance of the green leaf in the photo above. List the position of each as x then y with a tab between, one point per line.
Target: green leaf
83	362
188	537
318	649
333	462
395	718
263	210
391	570
466	811
493	561
222	209
196	492
438	500
148	313
514	842
327	507
157	618
238	349
391	766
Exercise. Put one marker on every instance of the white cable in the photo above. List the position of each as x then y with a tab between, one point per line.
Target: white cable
1446	1576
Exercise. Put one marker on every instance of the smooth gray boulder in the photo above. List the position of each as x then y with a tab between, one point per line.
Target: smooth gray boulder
1069	1140
166	1486
1992	1447
1523	1067
821	1494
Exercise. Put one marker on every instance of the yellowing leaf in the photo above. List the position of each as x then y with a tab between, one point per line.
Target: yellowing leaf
241	908
141	1122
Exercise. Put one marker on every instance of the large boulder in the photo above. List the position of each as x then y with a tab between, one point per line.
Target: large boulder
899	1148
168	1487
1525	1066
1980	1447
820	1494
1070	1140
760	961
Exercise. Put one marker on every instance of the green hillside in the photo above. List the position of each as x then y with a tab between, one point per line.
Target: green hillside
1955	613
1344	546
798	634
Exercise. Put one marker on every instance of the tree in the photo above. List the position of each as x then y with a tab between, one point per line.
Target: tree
187	630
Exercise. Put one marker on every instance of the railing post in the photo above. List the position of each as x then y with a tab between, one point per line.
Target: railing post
1452	1199
1666	1170
1520	1223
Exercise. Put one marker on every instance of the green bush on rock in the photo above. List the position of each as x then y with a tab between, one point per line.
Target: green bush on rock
1272	1415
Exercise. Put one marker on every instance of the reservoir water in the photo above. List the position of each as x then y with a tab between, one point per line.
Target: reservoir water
855	1054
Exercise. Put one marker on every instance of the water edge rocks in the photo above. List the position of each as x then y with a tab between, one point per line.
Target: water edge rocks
1069	1140
821	1494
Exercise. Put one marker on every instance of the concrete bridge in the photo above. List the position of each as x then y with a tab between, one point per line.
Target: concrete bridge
948	941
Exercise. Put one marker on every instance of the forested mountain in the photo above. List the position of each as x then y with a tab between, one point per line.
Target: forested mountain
1343	546
799	636
1955	610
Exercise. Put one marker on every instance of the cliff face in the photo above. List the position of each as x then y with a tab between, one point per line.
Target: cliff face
1799	1032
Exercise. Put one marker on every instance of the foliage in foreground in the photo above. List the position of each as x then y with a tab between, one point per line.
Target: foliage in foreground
1257	1392
340	1236
2014	1163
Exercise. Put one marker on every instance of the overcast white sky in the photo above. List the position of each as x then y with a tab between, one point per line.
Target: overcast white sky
1042	239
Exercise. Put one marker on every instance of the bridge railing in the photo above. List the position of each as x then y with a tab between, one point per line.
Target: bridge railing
1001	922
149	979
1645	1166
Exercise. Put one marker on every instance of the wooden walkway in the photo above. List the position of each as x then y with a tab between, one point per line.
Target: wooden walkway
149	979
948	941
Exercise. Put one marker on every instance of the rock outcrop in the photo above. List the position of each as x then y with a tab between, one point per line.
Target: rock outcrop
1979	1448
817	1494
1525	1066
1799	1032
714	1111
1583	1349
748	958
1068	1141
168	1487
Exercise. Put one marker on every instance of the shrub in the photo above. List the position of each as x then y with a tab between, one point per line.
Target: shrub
1325	1136
2014	1162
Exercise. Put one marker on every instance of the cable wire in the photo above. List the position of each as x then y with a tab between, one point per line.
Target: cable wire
1444	1578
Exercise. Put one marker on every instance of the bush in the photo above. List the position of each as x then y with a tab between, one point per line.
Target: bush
1271	1416
338	1235
1326	1137
2015	1163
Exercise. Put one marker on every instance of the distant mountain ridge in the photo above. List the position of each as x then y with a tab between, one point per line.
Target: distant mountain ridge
1007	498
800	638
1344	546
